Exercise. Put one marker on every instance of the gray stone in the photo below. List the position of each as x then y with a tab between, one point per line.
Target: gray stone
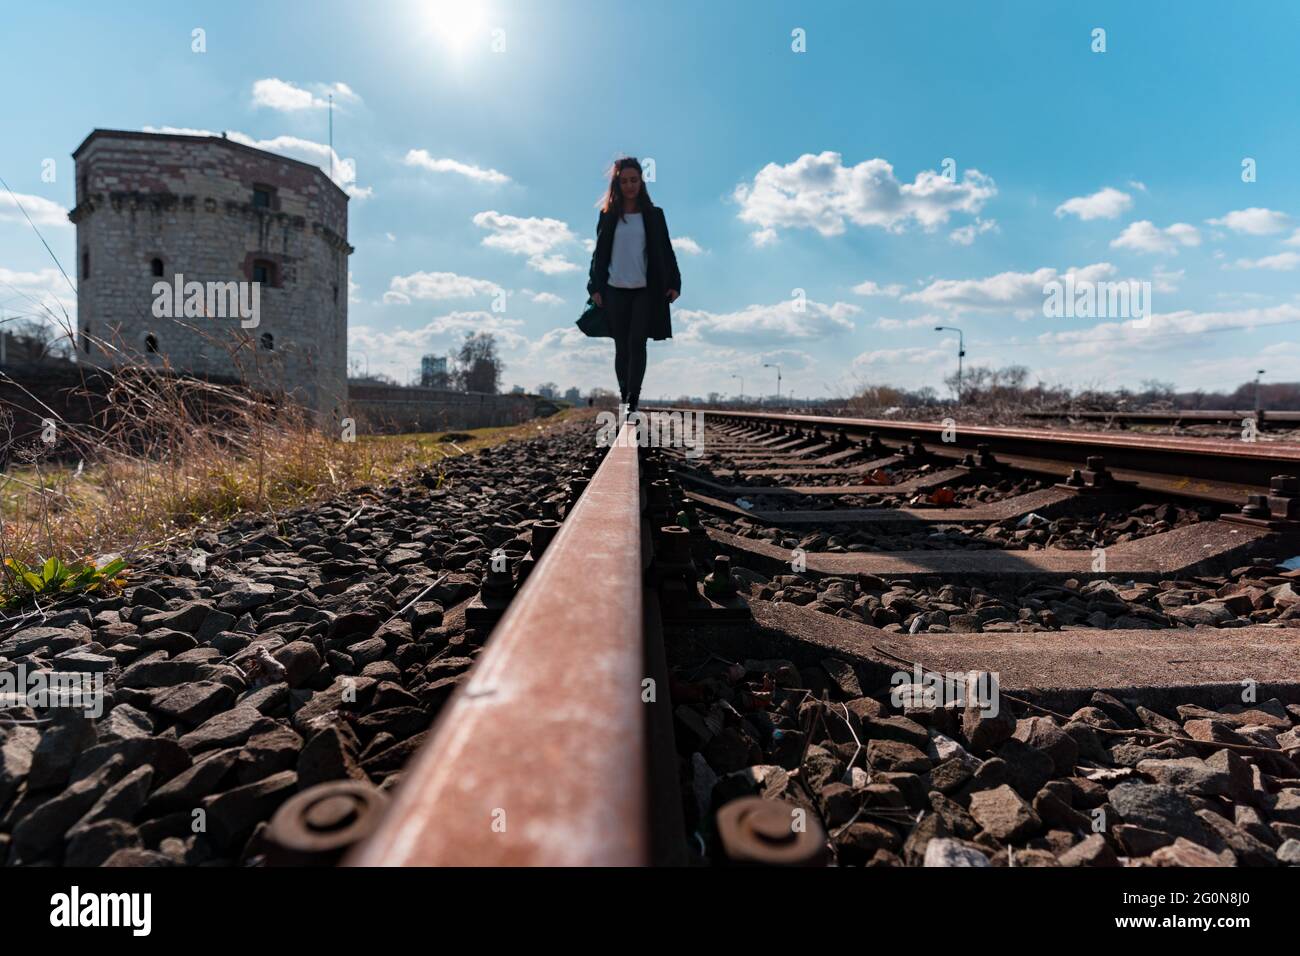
1187	774
184	791
228	729
246	596
43	828
1091	851
944	851
124	722
62	743
195	702
232	816
1004	814
301	662
1157	807
92	845
1043	734
1289	852
121	801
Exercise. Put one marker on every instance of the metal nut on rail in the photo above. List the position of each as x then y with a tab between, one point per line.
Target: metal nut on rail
543	534
719	583
315	827
756	831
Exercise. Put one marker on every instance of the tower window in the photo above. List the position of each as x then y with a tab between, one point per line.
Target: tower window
336	293
264	272
85	340
264	197
151	344
85	263
156	267
268	341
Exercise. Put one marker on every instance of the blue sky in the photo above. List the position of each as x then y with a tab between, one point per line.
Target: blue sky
474	170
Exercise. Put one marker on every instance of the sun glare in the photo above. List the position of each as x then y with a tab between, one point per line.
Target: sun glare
460	25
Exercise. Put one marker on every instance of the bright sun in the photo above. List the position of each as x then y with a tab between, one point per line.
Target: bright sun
459	24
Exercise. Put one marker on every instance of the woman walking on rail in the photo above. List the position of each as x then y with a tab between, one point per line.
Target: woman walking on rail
634	277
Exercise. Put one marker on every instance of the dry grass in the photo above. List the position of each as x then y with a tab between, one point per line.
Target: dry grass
176	457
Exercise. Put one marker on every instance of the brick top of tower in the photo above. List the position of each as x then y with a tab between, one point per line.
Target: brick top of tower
97	134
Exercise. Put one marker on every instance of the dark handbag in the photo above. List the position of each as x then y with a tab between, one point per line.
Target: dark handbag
595	322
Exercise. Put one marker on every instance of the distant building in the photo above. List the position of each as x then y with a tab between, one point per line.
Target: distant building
573	395
178	235
433	371
517	390
546	391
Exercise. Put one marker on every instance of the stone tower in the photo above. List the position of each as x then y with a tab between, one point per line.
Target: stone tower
178	236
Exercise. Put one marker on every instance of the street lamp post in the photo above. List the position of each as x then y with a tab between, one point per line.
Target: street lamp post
778	379
961	352
742	387
1258	375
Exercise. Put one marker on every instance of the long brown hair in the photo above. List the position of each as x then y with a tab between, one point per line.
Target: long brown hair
613	198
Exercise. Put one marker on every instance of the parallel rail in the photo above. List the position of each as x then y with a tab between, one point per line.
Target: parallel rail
1224	469
1190	416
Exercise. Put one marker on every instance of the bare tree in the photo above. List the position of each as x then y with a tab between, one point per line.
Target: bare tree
478	367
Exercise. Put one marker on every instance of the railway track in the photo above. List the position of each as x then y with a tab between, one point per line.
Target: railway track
1085	656
777	640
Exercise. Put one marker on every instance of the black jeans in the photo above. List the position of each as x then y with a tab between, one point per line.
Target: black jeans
629	317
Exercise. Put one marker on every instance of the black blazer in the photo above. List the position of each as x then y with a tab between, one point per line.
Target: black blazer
662	273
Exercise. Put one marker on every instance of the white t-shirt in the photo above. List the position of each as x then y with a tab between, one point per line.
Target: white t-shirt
627	263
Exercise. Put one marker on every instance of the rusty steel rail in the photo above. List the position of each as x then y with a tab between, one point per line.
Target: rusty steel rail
540	759
1173	416
1251	464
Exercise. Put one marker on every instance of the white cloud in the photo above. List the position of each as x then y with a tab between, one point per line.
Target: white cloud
1166	280
878	360
686	246
1253	221
920	322
534	237
966	234
760	324
820	192
1294	240
354	291
1161	330
868	287
286	97
1107	203
422	159
43	294
1282	262
551	265
1145	236
43	212
308	151
1138	185
437	285
547	298
1015	291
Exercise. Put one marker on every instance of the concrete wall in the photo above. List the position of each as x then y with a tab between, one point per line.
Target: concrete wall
394	409
188	200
